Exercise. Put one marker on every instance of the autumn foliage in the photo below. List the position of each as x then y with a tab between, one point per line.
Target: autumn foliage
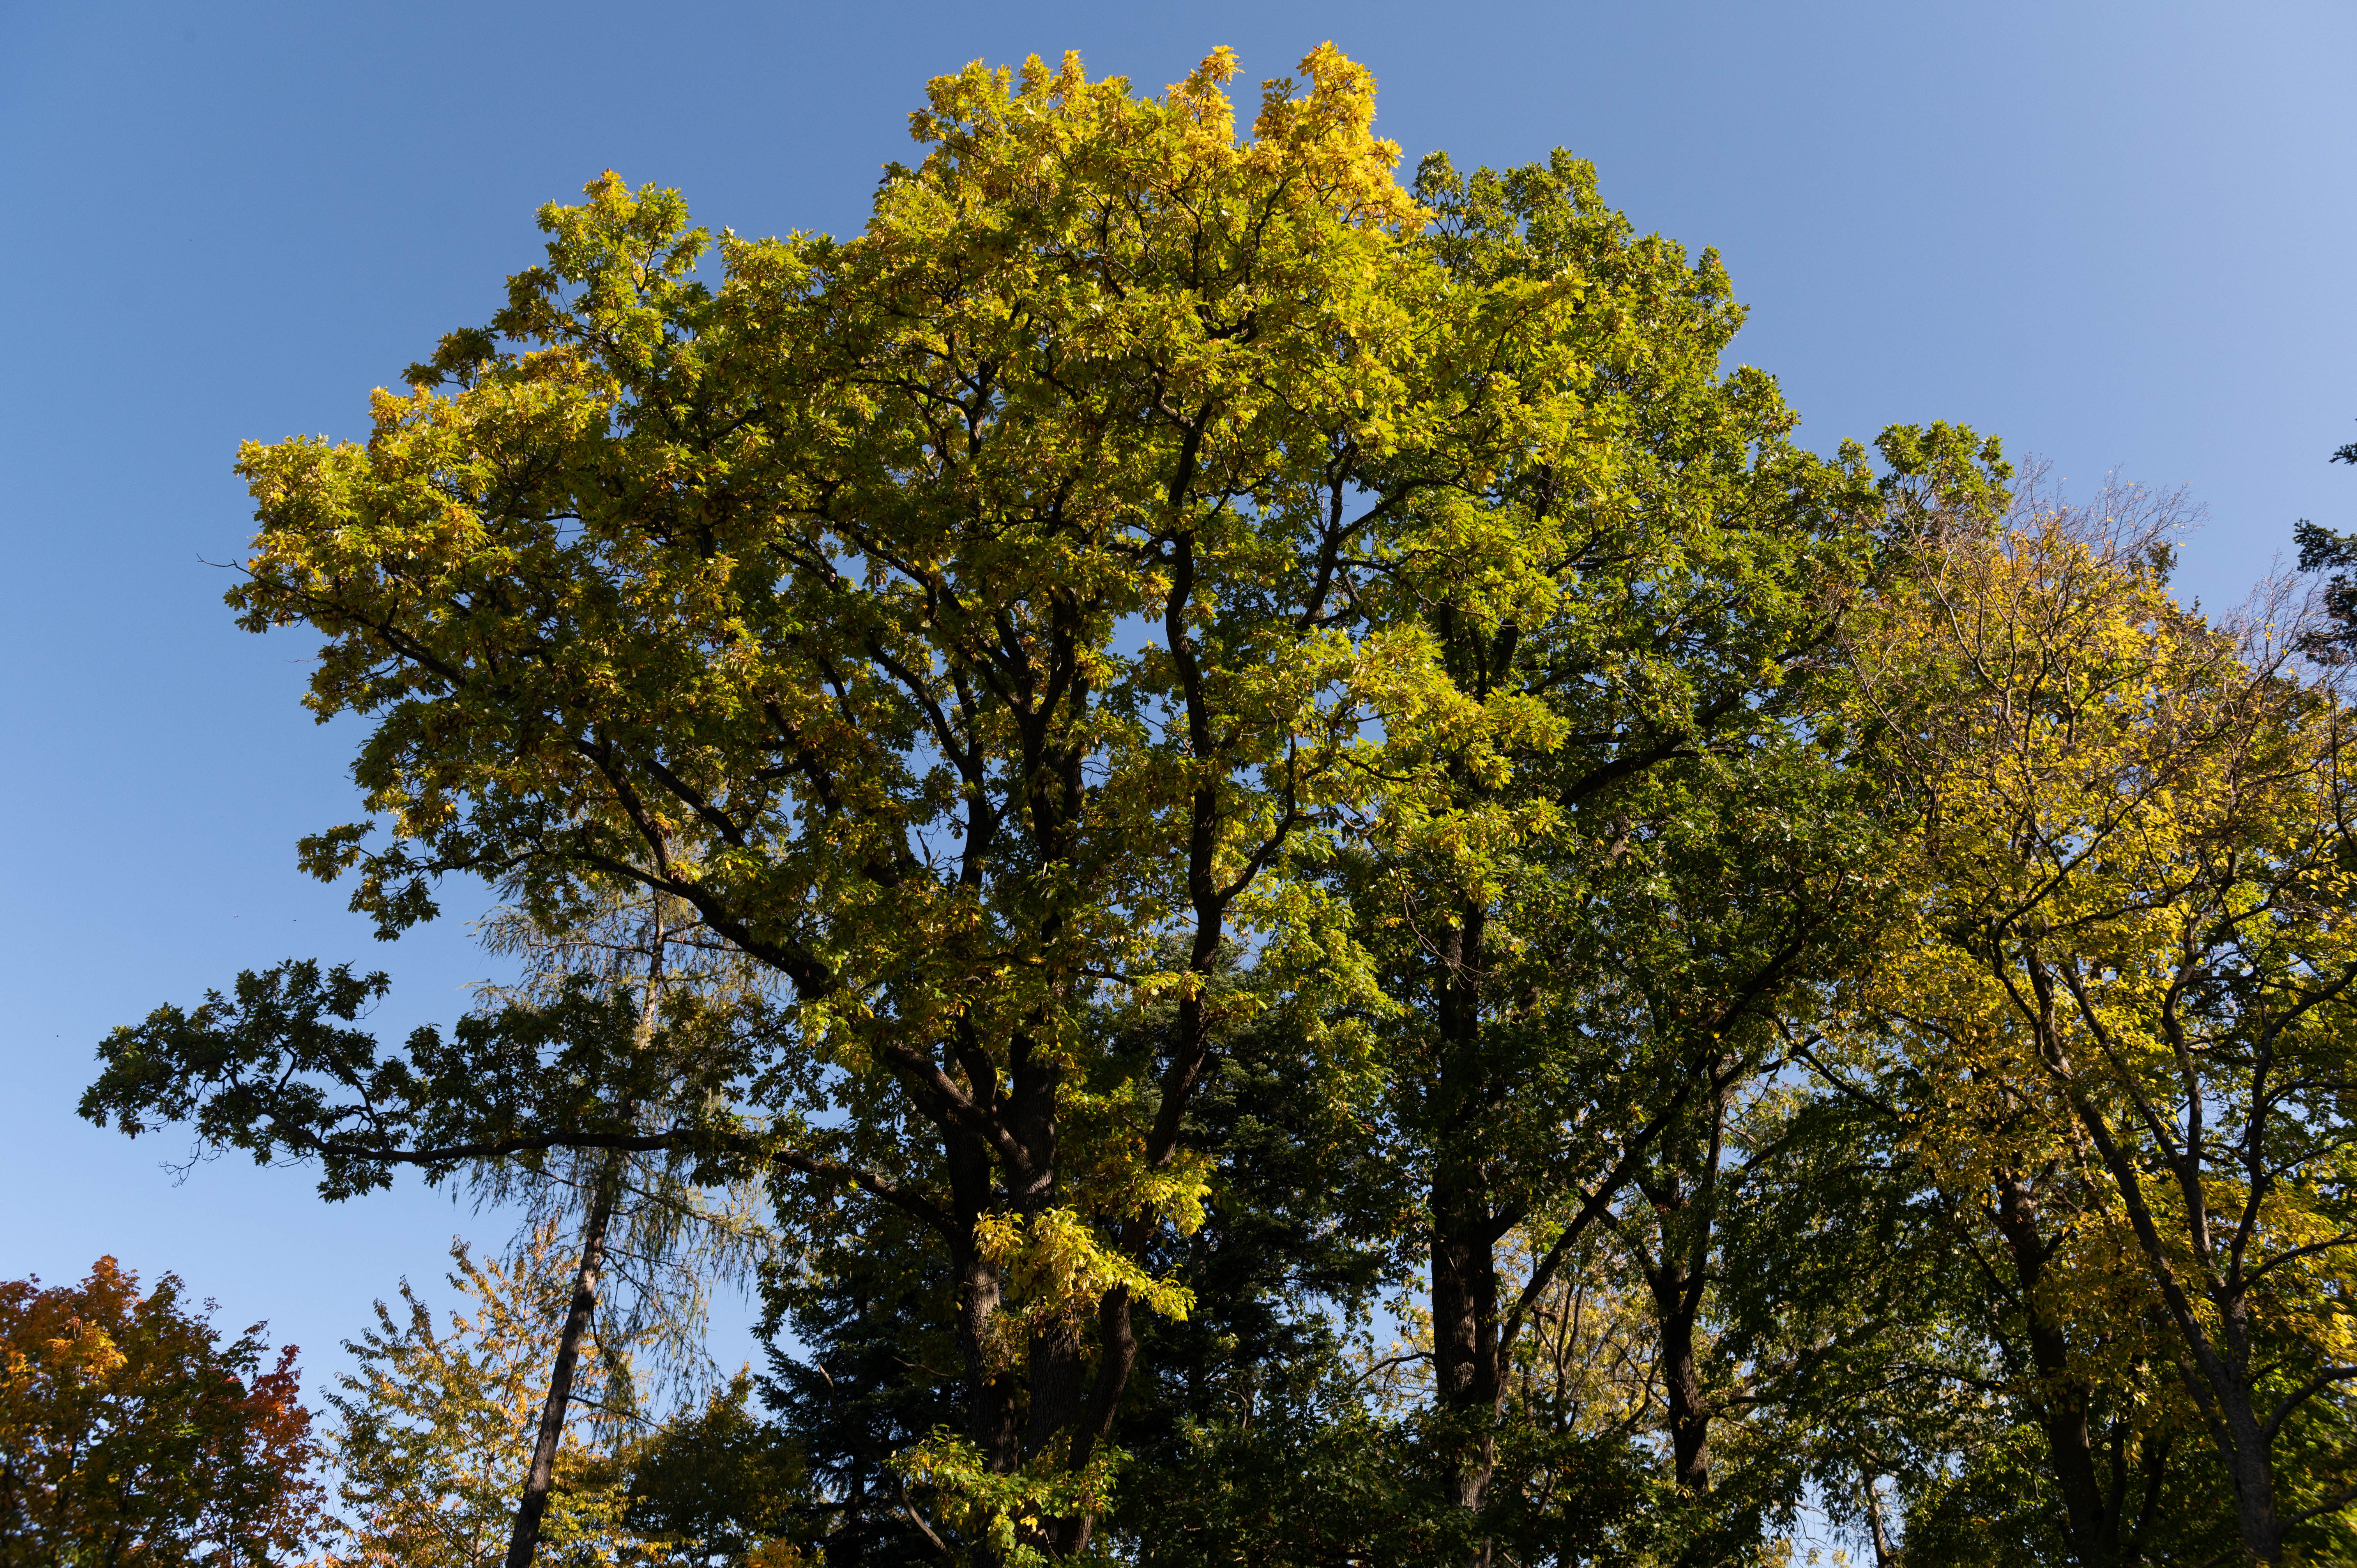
130	1434
1345	909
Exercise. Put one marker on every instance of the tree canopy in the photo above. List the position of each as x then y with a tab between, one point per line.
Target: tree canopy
130	1434
1348	910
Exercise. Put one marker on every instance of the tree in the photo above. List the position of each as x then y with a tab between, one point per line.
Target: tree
2128	969
644	1218
960	619
2323	550
438	1425
876	1375
1612	844
130	1434
1211	732
718	1486
1246	1427
570	1047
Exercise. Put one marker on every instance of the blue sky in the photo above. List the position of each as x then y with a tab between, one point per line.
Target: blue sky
2117	235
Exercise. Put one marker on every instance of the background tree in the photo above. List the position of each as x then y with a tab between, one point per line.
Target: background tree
553	1093
719	1487
438	1424
2333	554
129	1433
862	1367
2128	966
1610	843
653	1241
1248	1430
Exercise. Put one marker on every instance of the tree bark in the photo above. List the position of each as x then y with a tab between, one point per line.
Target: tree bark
2254	1482
991	1391
1465	1226
1689	1411
1465	1328
1683	1197
525	1539
1116	1355
1883	1557
2090	1528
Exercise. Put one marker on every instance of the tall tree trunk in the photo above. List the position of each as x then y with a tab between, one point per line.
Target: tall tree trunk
992	1391
1465	1328
2090	1528
1465	1228
1683	1197
603	1197
1116	1355
2254	1483
1059	1382
1689	1411
1883	1557
525	1539
2153	1461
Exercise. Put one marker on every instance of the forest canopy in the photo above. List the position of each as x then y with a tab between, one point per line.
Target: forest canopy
1301	893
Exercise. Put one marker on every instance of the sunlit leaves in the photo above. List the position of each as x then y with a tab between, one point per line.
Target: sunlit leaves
129	1433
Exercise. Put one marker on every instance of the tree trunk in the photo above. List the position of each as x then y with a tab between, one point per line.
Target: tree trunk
2091	1529
1689	1412
1116	1355
1883	1557
1465	1328
1465	1228
2255	1484
1684	1201
1058	1381
990	1390
525	1539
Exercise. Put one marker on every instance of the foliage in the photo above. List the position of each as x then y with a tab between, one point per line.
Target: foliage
877	1373
1212	732
1615	845
802	596
2121	983
718	1486
130	1434
436	1424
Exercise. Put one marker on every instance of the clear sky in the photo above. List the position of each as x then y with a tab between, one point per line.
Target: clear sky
2118	235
